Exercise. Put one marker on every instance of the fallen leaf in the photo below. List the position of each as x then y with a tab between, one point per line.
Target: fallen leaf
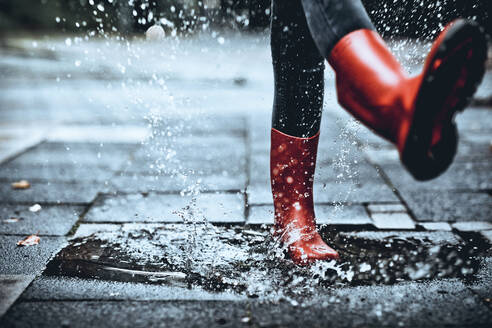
22	184
29	241
35	208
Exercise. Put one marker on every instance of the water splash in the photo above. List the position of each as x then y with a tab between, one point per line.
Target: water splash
251	263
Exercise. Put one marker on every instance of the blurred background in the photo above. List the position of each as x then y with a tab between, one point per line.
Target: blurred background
414	18
87	62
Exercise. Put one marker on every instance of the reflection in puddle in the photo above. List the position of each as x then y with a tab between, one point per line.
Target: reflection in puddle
249	262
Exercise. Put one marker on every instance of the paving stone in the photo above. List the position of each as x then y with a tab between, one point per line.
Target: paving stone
99	133
260	145
478	139
54	220
200	155
259	168
429	205
330	193
386	208
134	183
189	154
49	288
204	145
260	214
87	229
436	304
468	175
353	192
229	125
11	286
474	148
487	234
436	226
394	221
371	140
198	167
54	172
107	155
341	172
482	284
28	259
430	238
15	140
342	152
342	215
472	226
52	192
469	150
474	119
382	155
130	314
87	148
162	208
325	214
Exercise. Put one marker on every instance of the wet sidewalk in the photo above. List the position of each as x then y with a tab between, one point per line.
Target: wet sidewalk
149	190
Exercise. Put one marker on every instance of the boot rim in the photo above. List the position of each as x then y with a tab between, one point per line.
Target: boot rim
294	137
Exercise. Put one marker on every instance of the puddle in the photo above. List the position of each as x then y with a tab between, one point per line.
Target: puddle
249	262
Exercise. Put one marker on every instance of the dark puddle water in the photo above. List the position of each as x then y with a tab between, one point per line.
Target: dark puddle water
248	261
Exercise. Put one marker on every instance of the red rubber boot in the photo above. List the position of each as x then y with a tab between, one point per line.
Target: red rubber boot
292	166
415	113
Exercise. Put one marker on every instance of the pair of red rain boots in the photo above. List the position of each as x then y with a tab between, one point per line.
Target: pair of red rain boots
414	113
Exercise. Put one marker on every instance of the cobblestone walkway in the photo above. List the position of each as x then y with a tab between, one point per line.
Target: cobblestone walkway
100	164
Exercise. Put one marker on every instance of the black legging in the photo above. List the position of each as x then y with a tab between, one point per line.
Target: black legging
298	60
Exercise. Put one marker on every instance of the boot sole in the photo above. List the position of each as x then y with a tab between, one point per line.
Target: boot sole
451	78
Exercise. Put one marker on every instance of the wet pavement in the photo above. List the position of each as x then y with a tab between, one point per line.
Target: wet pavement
152	177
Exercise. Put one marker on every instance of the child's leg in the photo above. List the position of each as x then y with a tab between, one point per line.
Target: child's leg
416	114
298	70
330	20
